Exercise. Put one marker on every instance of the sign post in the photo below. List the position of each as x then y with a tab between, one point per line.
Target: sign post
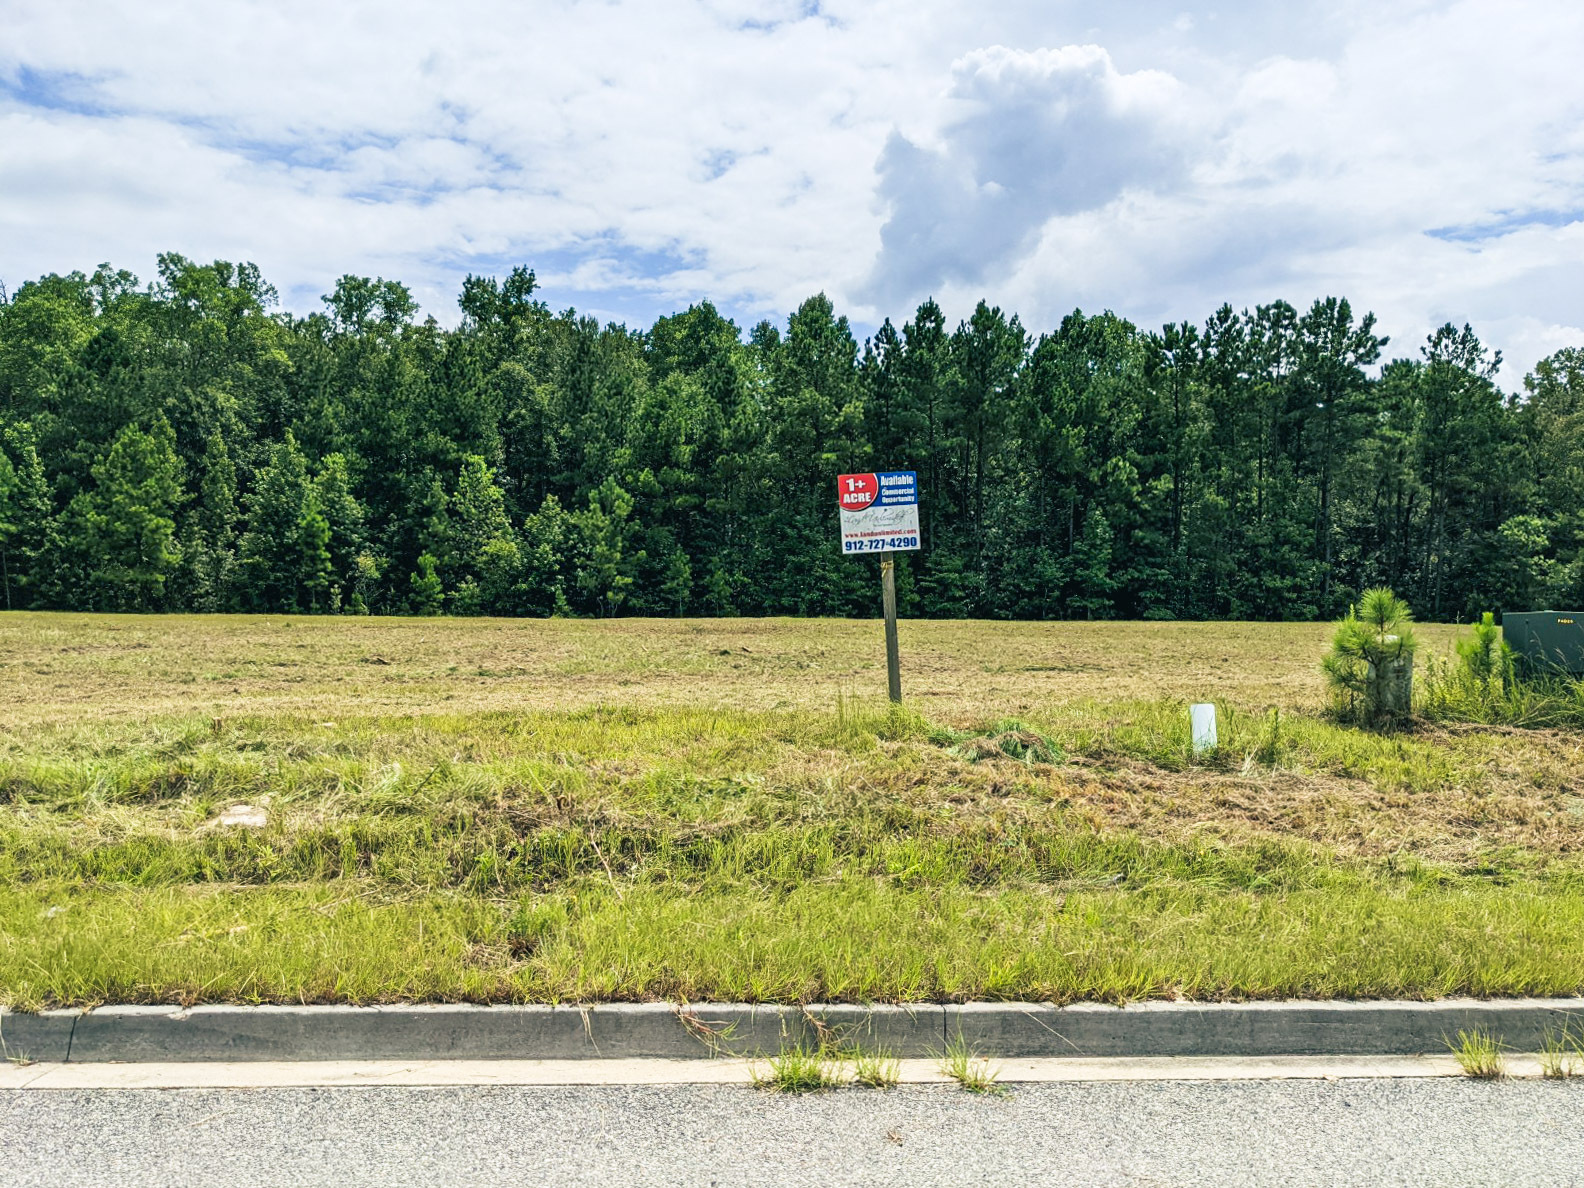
888	598
879	514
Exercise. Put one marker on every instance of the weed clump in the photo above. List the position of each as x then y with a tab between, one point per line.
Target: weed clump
1010	739
1479	1055
1560	1053
877	1070
1484	686
827	1064
1271	745
797	1070
971	1071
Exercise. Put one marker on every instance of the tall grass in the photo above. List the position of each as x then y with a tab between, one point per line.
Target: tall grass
1480	1055
851	940
1453	693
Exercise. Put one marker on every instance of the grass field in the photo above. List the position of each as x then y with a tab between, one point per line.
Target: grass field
573	810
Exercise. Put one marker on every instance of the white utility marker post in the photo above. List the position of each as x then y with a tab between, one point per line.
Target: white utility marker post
879	514
1202	722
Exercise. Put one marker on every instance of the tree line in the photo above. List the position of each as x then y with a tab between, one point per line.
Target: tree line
185	446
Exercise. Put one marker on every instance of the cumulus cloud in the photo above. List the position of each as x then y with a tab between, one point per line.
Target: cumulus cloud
591	140
1034	134
1424	157
1421	169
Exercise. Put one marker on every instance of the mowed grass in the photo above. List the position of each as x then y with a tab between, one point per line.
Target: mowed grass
577	811
59	668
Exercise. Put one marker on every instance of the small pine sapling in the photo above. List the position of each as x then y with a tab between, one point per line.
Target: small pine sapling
1487	658
1370	667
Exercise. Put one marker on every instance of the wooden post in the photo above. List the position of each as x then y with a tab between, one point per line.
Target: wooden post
888	597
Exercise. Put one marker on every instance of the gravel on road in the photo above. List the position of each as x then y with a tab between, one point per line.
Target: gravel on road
1367	1132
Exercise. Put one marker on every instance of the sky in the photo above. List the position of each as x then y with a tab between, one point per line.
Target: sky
1424	158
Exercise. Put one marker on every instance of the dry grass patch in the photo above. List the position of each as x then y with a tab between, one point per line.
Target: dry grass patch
55	667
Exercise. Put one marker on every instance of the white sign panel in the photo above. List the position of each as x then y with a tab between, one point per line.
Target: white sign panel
879	512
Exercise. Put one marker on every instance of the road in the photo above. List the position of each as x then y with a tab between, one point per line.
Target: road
1374	1132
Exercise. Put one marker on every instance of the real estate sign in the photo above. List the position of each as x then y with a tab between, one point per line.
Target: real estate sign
879	512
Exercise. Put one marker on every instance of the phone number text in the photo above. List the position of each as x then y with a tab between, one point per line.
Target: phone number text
876	544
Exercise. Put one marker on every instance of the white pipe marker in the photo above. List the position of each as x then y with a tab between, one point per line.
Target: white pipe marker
1202	720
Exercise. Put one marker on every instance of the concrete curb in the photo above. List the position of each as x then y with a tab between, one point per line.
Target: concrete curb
1256	1028
43	1037
666	1030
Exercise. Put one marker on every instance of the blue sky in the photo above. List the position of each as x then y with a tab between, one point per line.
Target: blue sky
1424	158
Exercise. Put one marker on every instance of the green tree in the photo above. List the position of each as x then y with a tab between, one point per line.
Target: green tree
548	560
210	545
1460	415
351	565
128	522
1552	429
813	431
1253	465
29	526
606	571
482	553
10	518
428	591
1370	666
1518	572
285	552
677	585
1093	565
1337	408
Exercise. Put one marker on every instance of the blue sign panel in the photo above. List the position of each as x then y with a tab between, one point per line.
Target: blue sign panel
897	487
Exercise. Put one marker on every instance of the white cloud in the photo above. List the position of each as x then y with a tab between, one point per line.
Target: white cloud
1425	157
1033	135
1426	171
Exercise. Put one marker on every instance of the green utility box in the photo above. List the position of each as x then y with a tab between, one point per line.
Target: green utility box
1547	641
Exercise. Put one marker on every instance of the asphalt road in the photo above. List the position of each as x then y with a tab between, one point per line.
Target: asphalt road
1378	1132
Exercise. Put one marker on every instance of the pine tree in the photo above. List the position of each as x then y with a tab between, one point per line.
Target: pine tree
285	553
31	517
1093	568
428	592
211	549
549	556
128	521
10	485
1256	467
344	517
1370	666
313	543
606	573
676	587
479	538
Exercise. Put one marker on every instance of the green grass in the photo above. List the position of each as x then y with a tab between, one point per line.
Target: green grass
1561	1053
1480	1055
971	1071
797	1070
854	940
876	1069
828	1065
1449	693
795	847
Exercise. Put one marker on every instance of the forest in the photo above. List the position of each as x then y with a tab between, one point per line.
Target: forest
185	445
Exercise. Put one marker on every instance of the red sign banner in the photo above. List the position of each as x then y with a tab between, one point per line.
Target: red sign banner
854	492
